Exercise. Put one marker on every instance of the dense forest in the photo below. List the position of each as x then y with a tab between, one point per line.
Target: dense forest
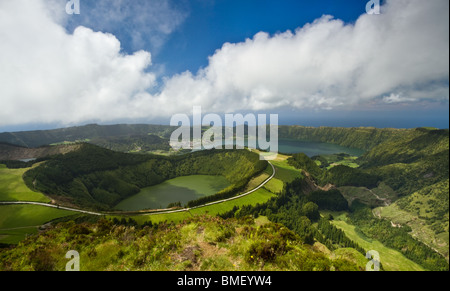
299	212
339	175
96	178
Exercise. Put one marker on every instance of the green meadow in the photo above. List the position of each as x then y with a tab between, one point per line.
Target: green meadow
13	188
284	171
18	221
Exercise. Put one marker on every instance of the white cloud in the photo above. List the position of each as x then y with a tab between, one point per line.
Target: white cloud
142	23
397	98
48	75
329	64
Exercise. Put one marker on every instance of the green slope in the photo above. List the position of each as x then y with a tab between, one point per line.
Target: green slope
390	259
13	188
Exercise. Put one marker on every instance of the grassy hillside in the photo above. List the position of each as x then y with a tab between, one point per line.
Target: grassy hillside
13	188
417	169
395	237
410	164
414	145
426	213
201	243
392	260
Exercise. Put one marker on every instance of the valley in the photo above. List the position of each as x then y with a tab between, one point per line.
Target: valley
225	136
398	176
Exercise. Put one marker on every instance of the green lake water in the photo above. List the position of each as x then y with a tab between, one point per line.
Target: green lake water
183	189
291	146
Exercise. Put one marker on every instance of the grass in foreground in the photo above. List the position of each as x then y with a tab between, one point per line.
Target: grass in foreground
202	243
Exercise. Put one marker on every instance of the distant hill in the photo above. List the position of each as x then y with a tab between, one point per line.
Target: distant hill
13	152
147	137
363	138
419	159
81	133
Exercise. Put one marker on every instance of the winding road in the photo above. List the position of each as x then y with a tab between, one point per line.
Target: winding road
50	205
163	211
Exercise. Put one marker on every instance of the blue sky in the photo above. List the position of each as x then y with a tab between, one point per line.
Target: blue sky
208	24
314	63
211	25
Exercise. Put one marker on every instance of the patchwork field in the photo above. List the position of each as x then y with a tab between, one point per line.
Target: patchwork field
420	228
391	260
